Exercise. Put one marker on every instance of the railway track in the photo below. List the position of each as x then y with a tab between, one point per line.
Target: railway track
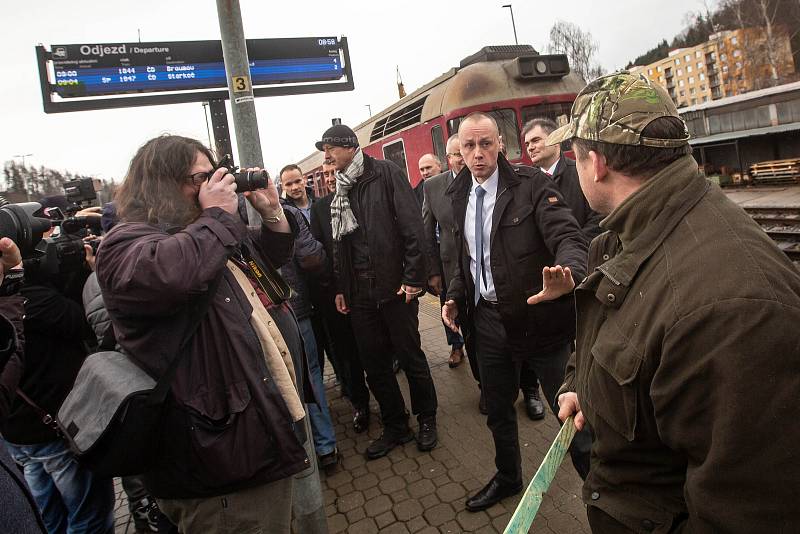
782	224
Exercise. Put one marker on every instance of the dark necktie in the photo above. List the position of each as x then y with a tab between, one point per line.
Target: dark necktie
479	192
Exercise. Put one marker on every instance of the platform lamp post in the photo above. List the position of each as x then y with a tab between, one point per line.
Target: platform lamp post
24	182
513	25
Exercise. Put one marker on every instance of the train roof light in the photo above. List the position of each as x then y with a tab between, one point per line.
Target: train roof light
498	52
541	67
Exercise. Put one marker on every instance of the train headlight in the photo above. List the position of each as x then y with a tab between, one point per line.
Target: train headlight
541	67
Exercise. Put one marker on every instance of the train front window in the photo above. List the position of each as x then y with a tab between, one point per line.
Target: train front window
550	110
507	123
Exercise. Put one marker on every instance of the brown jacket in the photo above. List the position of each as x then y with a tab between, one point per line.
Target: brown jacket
226	426
688	364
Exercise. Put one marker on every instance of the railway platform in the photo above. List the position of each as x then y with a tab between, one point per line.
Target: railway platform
414	492
777	210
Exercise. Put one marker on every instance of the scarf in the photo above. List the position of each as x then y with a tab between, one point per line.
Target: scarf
343	221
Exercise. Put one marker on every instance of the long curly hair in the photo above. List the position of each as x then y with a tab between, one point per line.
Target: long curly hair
152	189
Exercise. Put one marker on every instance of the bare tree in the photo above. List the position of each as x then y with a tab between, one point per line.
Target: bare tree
768	19
579	46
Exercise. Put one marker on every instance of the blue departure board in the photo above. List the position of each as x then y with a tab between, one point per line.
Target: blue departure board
124	68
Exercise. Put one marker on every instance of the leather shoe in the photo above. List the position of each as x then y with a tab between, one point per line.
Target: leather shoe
482	405
533	405
329	462
360	419
456	358
427	436
388	441
491	494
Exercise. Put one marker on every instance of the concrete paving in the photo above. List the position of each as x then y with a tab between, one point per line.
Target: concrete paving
414	492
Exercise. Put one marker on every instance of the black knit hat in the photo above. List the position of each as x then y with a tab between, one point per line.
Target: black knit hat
338	135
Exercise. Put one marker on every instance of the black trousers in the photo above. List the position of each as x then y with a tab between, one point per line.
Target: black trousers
500	376
342	343
383	329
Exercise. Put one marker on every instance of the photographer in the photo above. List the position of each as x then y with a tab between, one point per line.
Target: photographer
68	495
233	426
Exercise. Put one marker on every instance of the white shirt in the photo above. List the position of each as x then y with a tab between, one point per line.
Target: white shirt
552	169
490	185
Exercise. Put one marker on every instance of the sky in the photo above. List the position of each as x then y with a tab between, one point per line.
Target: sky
422	38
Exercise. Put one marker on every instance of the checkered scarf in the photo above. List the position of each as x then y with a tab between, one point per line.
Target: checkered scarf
343	221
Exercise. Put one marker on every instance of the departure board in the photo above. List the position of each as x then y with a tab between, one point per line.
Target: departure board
82	70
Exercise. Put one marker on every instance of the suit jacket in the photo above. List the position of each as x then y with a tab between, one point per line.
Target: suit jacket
437	208
566	178
532	227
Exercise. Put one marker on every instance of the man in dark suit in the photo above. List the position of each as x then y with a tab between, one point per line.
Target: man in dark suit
512	285
437	215
336	325
562	171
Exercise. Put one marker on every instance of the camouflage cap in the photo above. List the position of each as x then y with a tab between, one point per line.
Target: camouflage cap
615	109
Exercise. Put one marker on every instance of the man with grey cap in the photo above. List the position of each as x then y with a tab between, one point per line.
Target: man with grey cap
380	267
686	367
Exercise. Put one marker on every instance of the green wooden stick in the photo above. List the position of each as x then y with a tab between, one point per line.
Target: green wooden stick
532	499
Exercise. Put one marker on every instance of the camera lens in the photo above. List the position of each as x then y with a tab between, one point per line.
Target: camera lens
251	180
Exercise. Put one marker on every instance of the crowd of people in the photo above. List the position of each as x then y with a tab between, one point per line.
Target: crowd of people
679	374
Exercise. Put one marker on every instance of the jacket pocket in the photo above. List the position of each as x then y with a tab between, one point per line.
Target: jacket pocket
612	382
228	442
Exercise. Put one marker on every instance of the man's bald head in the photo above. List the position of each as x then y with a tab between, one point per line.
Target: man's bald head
478	116
429	165
480	144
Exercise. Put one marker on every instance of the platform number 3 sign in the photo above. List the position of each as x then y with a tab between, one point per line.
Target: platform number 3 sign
241	84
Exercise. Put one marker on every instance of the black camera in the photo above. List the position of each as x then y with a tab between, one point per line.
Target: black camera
247	180
51	256
81	191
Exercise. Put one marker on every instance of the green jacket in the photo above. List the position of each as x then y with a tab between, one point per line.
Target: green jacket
687	364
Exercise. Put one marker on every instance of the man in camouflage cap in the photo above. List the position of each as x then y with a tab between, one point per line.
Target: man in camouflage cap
686	365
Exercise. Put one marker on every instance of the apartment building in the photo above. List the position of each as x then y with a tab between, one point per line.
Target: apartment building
729	63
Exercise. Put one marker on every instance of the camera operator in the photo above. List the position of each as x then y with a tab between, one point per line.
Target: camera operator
70	498
233	420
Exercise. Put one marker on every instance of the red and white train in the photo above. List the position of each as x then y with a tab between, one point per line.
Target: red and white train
512	83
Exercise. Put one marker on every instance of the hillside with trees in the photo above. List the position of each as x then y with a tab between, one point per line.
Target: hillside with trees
39	182
732	15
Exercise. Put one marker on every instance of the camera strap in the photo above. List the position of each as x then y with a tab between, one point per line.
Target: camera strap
268	278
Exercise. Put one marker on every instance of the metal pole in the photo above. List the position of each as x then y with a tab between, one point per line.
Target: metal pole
513	25
240	88
307	502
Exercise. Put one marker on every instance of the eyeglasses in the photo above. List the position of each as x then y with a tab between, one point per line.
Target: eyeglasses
199	177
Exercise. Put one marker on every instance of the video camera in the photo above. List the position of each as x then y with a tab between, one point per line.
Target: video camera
63	253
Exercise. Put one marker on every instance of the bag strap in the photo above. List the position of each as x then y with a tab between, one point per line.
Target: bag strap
109	340
47	419
198	312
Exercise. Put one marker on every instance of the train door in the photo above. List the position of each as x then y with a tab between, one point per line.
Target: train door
396	152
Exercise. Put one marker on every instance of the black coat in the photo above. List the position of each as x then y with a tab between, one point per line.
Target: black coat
532	228
55	331
566	178
307	261
391	217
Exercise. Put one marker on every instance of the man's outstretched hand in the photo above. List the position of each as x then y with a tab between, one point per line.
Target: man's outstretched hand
556	282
